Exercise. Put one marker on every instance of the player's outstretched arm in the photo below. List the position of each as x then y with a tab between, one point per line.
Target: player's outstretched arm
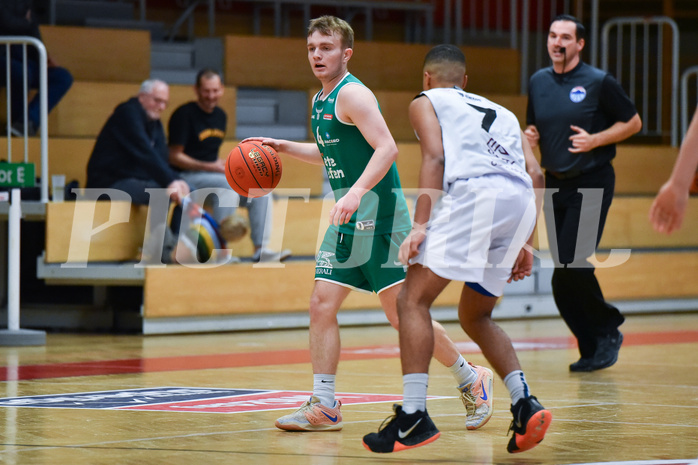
669	207
303	151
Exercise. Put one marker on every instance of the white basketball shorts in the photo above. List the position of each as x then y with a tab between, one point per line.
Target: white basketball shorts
477	230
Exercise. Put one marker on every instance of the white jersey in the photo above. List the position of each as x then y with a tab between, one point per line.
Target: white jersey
479	136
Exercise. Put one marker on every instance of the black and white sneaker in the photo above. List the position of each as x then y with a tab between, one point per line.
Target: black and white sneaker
402	431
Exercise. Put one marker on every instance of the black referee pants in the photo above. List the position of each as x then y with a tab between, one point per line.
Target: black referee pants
573	235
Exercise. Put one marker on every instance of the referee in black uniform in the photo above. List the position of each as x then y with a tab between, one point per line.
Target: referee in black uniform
577	113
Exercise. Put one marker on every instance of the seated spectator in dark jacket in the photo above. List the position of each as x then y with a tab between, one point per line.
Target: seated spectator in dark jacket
131	154
16	19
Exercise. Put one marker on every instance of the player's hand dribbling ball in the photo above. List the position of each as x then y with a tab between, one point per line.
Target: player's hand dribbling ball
253	169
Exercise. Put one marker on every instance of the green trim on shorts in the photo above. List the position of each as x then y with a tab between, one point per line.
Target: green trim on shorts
372	267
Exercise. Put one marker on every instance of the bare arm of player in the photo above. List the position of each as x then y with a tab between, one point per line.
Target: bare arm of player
669	207
183	161
524	262
303	151
532	135
582	141
356	104
431	173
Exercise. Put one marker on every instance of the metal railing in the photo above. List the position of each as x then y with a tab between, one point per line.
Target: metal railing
645	45
350	8
14	335
487	19
688	95
43	103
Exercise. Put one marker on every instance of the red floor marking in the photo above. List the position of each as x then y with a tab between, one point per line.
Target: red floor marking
285	357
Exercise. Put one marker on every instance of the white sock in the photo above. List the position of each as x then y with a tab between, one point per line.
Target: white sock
516	384
463	372
323	389
414	392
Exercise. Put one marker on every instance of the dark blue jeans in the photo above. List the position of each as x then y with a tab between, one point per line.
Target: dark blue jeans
59	81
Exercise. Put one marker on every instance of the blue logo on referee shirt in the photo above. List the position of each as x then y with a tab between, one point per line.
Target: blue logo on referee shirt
578	94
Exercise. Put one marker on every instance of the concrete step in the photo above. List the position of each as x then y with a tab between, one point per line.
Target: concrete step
175	76
156	28
257	111
77	11
165	55
280	131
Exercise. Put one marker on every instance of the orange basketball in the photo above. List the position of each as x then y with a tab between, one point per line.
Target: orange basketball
253	169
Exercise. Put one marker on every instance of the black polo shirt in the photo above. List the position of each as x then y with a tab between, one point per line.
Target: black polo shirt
586	97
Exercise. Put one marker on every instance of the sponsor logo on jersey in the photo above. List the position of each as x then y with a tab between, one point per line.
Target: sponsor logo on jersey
578	94
327	117
332	171
323	259
324	141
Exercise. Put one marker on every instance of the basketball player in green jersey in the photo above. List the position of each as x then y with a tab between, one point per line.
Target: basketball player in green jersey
368	223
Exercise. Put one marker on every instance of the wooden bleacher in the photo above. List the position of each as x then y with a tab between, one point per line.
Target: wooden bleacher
99	54
109	69
638	278
87	106
300	225
380	65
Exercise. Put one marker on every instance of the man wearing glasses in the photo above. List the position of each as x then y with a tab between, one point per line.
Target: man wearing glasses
131	153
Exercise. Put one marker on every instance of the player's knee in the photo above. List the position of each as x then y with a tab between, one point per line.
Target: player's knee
394	321
320	311
471	321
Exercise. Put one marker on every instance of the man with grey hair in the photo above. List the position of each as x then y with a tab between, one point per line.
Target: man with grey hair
131	153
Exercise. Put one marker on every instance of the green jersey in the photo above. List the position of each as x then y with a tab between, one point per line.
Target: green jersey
345	153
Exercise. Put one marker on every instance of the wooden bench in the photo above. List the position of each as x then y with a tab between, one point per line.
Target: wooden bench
79	232
299	224
82	232
67	156
99	54
380	65
246	289
174	292
87	106
651	275
628	227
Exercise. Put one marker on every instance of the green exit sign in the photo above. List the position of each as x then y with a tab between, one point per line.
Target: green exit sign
17	175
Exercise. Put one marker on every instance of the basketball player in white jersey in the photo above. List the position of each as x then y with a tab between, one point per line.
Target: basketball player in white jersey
475	212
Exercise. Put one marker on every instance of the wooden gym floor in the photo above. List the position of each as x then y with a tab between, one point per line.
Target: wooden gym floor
213	399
